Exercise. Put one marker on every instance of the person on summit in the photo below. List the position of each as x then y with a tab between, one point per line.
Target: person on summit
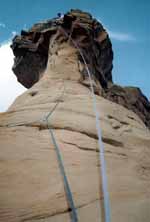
60	15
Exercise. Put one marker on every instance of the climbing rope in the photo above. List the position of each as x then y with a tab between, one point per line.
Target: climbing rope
73	213
74	217
100	143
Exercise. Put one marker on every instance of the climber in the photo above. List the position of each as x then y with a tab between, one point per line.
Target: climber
60	15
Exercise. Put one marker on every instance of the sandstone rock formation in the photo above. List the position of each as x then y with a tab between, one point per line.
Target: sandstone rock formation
31	48
31	187
131	98
31	55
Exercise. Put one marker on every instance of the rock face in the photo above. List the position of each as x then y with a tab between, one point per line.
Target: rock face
31	187
85	31
131	98
31	54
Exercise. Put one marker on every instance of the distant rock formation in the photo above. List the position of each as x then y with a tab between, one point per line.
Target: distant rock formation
31	51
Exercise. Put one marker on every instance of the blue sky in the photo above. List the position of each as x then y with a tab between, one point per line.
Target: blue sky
127	22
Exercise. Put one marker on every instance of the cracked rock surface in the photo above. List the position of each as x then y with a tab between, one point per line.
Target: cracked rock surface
31	187
43	40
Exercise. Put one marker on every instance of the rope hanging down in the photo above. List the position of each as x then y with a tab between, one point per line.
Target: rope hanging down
100	143
74	217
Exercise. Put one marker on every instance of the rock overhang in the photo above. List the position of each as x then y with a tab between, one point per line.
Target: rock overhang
82	27
31	50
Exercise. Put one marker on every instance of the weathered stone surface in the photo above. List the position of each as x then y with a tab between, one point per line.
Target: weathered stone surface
131	98
88	33
31	51
31	186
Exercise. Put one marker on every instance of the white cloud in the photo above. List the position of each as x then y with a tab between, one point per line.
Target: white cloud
13	33
2	25
9	87
119	36
8	41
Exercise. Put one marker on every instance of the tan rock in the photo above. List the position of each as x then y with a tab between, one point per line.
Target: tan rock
31	187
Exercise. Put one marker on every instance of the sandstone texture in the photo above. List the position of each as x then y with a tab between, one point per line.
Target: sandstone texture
31	55
31	47
31	186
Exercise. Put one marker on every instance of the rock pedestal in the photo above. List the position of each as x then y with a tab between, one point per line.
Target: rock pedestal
31	186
